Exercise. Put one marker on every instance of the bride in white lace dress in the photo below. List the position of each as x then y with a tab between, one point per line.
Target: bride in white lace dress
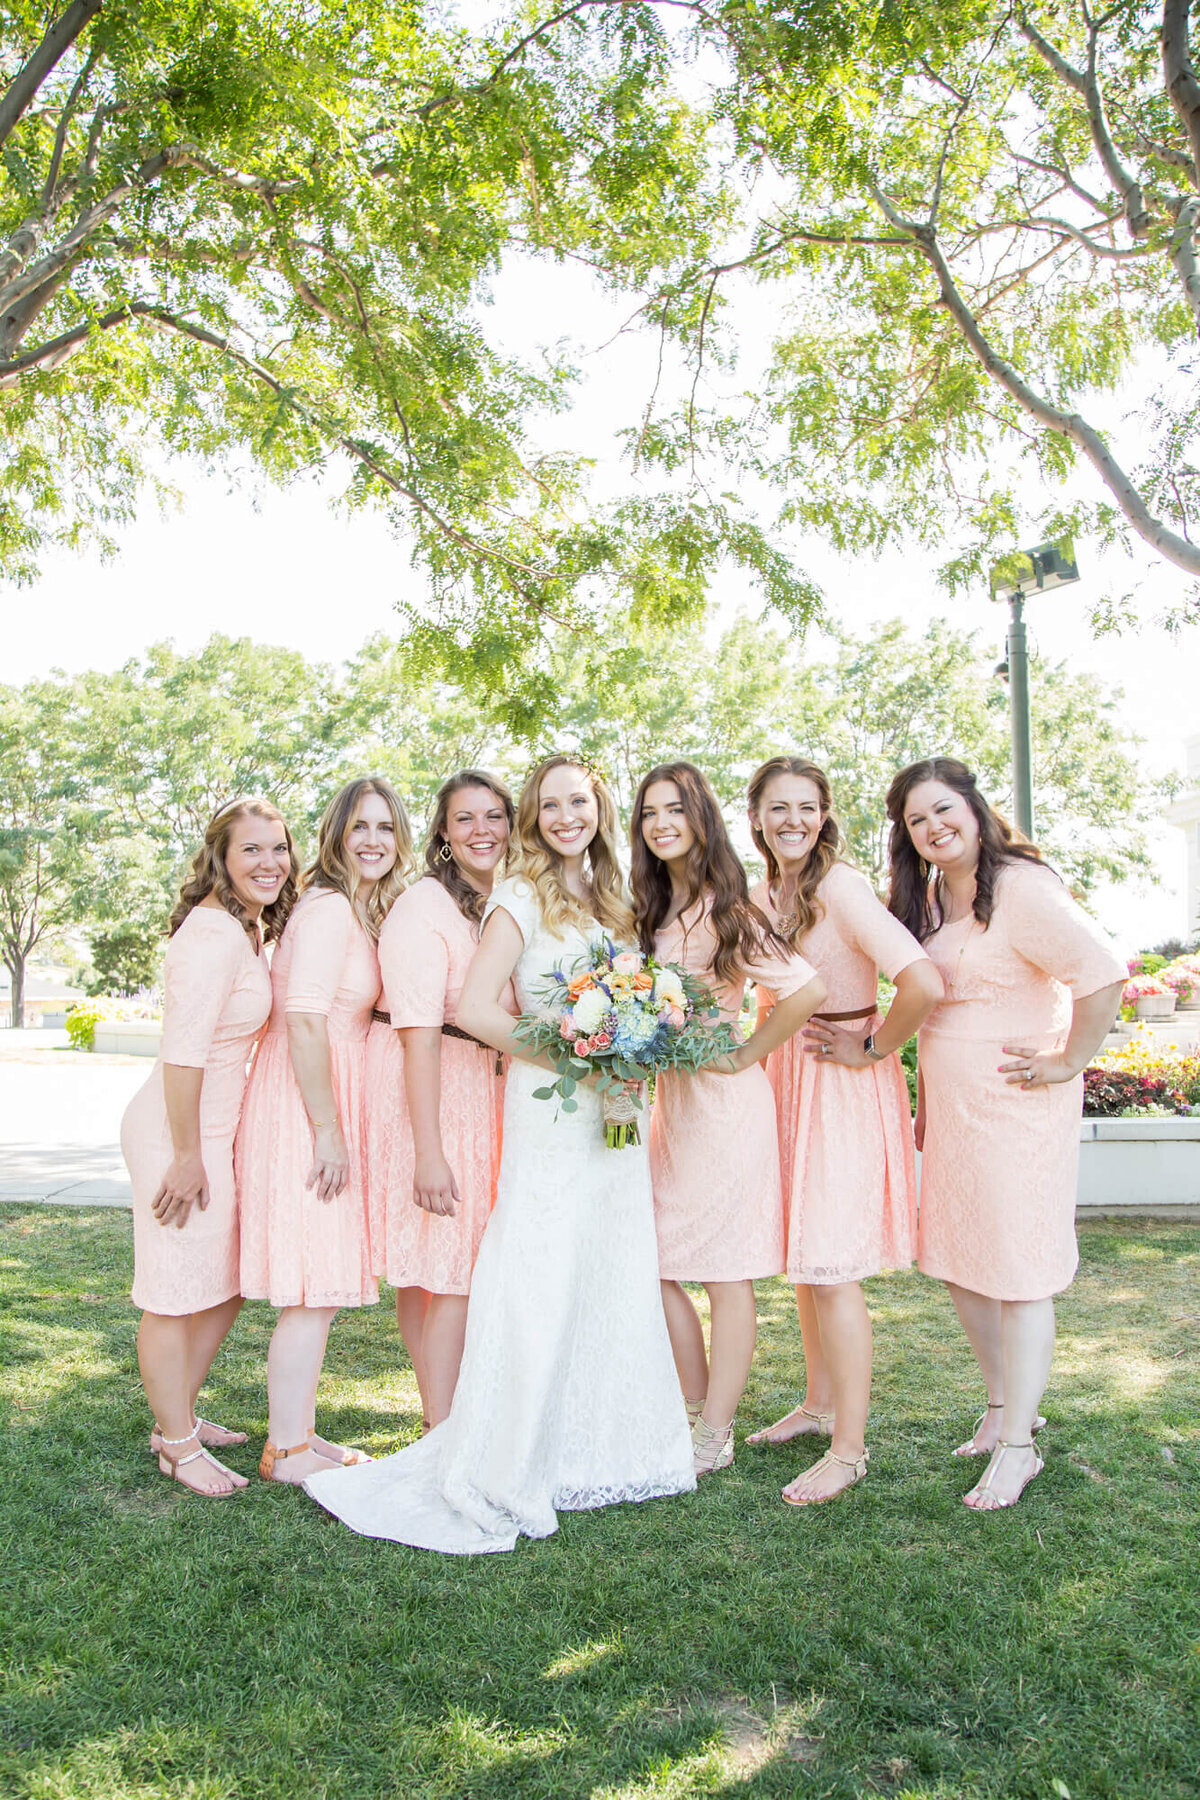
567	1396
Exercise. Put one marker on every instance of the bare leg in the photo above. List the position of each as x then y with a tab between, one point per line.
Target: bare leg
412	1305
687	1341
441	1351
209	1331
165	1360
805	1420
846	1338
1028	1349
980	1317
293	1371
733	1332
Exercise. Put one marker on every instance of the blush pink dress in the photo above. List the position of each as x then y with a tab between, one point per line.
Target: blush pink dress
714	1147
1000	1166
217	995
299	1250
845	1135
425	949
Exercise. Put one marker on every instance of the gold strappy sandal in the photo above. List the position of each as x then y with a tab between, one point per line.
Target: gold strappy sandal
712	1449
858	1464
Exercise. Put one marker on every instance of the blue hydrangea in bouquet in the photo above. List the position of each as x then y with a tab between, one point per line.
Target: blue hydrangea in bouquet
623	1017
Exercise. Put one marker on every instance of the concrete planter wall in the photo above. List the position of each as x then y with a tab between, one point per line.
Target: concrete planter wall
128	1037
1139	1165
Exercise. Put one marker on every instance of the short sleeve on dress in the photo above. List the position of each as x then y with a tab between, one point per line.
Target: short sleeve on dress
1051	931
414	958
518	899
865	921
779	972
320	932
199	974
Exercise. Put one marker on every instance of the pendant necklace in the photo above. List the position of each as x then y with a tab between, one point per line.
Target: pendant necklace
952	980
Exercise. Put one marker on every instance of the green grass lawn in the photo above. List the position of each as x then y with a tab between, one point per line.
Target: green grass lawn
891	1643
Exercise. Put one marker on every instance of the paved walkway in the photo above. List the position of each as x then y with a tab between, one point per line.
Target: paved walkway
60	1119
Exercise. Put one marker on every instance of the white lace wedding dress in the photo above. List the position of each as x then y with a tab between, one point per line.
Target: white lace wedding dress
568	1396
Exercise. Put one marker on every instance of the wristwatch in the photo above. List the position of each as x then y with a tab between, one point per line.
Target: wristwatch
869	1050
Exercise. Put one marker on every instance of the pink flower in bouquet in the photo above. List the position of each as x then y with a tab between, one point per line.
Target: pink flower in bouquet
602	1041
565	1026
675	1018
581	1047
627	963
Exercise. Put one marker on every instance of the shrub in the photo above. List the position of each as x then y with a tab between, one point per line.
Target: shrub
82	1019
85	1015
1146	962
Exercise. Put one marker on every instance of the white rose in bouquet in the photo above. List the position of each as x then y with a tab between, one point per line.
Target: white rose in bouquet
589	1010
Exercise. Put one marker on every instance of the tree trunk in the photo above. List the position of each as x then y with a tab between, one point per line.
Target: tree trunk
17	970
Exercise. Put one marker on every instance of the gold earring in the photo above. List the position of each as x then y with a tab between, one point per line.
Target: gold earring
445	854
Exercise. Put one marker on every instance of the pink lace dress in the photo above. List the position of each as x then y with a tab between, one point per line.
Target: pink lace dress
845	1135
299	1250
217	995
714	1148
1000	1165
425	949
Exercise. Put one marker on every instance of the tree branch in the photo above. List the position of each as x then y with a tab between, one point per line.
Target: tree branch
1183	252
1179	75
1087	83
29	78
1169	544
64	123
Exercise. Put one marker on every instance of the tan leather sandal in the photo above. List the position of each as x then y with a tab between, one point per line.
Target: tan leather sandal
273	1454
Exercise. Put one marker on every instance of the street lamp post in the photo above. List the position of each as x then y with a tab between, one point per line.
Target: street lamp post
1026	572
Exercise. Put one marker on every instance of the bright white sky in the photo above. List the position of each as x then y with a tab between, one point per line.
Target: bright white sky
284	567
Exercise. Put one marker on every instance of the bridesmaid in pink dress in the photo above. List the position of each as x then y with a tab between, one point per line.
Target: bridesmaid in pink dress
178	1130
433	1183
845	1127
1032	985
714	1153
300	1176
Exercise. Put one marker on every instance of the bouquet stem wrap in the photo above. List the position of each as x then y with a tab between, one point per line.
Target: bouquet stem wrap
621	1119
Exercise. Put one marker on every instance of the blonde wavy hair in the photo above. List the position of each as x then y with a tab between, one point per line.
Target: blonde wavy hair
210	874
541	866
332	866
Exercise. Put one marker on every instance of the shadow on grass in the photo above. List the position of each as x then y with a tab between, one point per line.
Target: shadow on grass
717	1644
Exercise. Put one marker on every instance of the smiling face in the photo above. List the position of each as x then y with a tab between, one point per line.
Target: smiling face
943	827
258	860
664	823
476	830
568	816
790	817
370	839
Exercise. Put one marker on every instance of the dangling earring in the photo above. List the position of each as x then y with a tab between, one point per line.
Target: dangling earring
445	854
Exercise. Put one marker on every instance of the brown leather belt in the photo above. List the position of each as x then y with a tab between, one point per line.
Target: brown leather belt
383	1018
858	1012
453	1031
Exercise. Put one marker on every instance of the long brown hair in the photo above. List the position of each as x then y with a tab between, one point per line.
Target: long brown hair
469	901
541	864
210	874
712	867
915	895
806	906
331	867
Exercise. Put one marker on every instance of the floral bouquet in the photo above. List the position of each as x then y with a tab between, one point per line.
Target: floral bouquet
622	1016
